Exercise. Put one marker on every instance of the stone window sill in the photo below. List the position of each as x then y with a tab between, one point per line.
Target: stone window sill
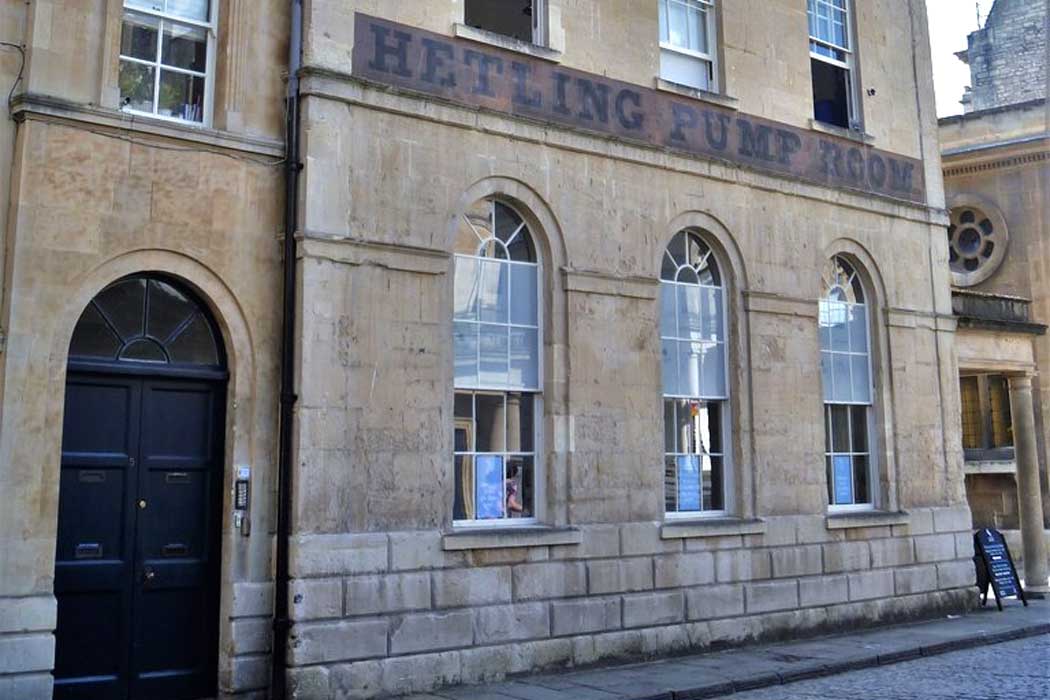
483	36
712	527
505	538
697	94
872	518
851	134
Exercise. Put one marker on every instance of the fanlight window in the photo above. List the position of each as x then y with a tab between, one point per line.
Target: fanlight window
145	320
693	341
496	331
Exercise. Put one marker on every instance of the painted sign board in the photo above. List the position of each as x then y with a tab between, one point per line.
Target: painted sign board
843	467
488	487
688	483
995	567
481	76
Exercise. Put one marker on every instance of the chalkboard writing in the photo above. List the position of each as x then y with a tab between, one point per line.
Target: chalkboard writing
480	76
995	567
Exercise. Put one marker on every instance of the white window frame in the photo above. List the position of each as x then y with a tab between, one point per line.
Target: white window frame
211	30
540	24
712	42
869	406
539	473
724	401
850	64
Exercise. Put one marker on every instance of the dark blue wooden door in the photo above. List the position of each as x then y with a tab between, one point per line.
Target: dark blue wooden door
137	561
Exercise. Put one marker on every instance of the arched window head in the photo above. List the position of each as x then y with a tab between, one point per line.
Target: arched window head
145	320
492	229
841	282
689	259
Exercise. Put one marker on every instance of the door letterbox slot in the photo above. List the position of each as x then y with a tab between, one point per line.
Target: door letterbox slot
175	550
177	478
88	550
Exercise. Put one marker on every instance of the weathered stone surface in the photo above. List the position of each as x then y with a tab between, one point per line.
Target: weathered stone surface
682	570
618	576
915	579
774	595
431	632
324	642
825	590
250	673
25	653
955	574
21	615
507	623
871	584
931	548
649	609
742	565
710	602
895	551
550	580
328	555
797	561
252	599
368	595
253	636
585	616
458	588
315	599
846	556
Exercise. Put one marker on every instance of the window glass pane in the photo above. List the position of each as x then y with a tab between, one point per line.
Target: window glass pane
838	318
713	483
524	359
190	9
831	92
168	308
494	356
840	429
669	367
861	379
711	314
195	344
181	96
859	424
92	337
185	47
671	483
670	444
668	313
827	427
689	483
148	5
124	304
999	406
689	325
677	24
663	20
465	342
523	295
713	435
138	36
520	428
697	30
971	413
858	329
840	370
690	357
144	350
683	69
463	498
493	299
714	377
831	479
861	477
465	304
463	435
520	487
687	418
842	480
826	376
490	421
136	86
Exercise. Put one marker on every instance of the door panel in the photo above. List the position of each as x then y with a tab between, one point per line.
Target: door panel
176	613
137	551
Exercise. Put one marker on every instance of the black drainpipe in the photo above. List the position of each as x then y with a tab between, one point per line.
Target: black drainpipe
288	396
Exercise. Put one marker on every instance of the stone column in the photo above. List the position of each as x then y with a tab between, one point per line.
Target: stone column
1029	498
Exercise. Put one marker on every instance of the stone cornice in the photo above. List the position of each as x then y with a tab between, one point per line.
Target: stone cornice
987	165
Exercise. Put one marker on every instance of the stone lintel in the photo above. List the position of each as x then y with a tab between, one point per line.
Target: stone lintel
505	538
712	527
873	518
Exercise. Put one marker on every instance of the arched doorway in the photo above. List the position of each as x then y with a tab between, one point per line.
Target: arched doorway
137	557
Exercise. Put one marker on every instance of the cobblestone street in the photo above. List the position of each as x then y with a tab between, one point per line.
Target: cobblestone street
1016	670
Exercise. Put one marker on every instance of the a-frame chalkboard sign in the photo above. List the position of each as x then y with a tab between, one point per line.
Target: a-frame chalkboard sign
995	567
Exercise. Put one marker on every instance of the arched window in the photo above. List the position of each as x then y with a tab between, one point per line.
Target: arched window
693	338
145	320
496	321
845	345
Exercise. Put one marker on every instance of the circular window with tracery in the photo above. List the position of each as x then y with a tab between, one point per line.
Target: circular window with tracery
976	244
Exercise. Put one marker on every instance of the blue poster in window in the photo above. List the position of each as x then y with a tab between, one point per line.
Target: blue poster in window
843	470
688	482
488	487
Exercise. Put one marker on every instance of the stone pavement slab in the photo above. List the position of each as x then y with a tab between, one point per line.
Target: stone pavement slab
761	666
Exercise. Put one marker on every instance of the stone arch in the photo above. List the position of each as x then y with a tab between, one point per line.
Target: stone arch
717	234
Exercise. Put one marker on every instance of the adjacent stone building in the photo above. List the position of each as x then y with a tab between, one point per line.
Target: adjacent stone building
622	329
997	180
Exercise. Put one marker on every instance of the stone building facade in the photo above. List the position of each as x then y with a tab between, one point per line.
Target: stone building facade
1007	57
622	329
998	179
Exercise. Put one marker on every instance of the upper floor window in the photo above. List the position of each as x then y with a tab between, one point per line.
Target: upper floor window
524	20
693	340
688	43
832	62
496	329
845	347
167	58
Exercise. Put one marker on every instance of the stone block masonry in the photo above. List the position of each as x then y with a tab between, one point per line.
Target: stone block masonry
631	593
